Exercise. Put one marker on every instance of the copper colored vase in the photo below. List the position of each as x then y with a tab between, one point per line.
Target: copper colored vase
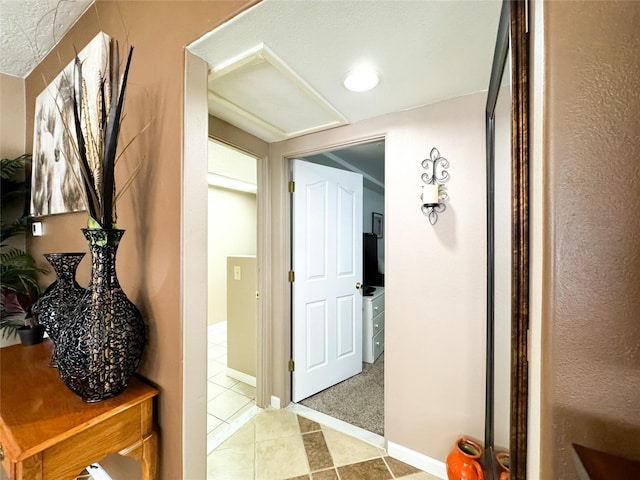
503	460
462	462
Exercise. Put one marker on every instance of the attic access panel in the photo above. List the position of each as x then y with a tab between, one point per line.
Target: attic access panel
259	88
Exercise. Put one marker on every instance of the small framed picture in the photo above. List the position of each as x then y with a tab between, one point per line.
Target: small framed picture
377	225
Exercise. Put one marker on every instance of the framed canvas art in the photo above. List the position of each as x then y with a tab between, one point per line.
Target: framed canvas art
55	177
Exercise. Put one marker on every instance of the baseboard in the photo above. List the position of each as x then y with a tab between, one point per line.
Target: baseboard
243	377
336	424
214	441
275	402
418	460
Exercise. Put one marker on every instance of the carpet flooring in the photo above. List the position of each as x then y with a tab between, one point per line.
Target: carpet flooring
358	400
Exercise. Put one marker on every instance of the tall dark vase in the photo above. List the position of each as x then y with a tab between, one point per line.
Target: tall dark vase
55	306
101	345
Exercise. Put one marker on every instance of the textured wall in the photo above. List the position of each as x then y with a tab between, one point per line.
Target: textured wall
591	321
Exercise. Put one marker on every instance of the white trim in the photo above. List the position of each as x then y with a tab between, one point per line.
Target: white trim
220	181
243	377
193	269
214	441
339	425
418	460
275	402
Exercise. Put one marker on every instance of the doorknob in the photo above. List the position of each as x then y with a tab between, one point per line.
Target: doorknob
358	285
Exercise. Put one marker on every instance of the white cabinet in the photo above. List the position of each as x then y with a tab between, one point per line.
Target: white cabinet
373	326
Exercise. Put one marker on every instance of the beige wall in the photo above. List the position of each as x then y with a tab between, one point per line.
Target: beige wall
149	257
242	319
591	322
232	231
435	275
12	116
12	143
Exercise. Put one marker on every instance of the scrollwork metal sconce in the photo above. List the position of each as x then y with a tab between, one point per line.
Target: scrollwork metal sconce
434	192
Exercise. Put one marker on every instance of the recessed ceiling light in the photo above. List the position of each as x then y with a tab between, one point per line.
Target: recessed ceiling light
361	79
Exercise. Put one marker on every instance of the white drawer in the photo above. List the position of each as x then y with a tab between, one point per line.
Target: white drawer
378	305
378	345
377	324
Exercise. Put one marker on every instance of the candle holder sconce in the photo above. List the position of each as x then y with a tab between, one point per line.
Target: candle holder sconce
434	192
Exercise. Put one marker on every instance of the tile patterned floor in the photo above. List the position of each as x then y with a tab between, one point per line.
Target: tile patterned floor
280	445
227	398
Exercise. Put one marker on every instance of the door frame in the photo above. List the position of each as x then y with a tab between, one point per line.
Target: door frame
281	154
197	129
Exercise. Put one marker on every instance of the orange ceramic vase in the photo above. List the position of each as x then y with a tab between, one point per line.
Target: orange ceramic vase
462	462
503	459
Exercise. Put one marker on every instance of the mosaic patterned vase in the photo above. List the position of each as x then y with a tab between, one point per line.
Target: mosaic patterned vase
58	302
102	344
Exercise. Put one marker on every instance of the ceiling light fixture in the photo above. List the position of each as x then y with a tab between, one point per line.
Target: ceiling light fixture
361	79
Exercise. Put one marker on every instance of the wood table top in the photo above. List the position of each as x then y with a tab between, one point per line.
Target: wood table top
37	410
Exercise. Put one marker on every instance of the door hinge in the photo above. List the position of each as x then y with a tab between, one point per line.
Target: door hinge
257	294
292	365
292	186
292	276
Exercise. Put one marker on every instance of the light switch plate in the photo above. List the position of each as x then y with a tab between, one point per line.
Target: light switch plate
36	229
237	272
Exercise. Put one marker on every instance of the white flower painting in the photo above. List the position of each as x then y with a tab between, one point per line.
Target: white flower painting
56	186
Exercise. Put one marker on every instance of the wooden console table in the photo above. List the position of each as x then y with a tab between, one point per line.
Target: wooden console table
47	432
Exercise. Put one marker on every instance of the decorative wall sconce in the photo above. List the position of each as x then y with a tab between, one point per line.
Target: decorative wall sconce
434	192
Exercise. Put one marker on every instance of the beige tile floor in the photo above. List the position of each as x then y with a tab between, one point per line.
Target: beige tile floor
227	398
281	445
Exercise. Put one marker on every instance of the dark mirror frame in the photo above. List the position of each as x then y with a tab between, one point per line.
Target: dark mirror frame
512	31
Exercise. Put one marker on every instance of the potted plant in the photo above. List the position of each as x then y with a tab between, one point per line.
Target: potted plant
19	287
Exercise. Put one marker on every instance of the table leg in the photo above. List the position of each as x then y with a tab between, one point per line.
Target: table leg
149	457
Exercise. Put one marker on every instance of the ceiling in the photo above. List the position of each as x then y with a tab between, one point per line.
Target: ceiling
279	66
276	70
29	29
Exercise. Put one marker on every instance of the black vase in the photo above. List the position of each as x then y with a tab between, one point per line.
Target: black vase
31	335
55	306
100	347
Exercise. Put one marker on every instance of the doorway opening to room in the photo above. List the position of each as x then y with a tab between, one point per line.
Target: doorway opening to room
232	303
337	331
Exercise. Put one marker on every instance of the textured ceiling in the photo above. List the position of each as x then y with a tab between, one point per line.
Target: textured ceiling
426	51
29	29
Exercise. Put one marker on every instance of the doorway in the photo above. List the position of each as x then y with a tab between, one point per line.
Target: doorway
359	399
232	285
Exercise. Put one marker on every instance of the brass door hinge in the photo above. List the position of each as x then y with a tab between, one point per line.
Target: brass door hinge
292	365
292	276
292	186
257	294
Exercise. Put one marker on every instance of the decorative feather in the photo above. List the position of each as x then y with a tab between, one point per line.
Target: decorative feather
98	165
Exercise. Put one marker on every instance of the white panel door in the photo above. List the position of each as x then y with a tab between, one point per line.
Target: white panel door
327	261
